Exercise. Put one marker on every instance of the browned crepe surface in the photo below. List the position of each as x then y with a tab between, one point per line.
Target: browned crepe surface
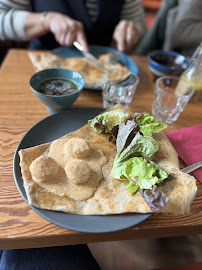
111	196
91	73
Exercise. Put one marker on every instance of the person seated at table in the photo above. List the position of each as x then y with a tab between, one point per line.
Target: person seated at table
53	23
183	27
177	27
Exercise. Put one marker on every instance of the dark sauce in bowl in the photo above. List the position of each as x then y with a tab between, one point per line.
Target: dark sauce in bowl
57	87
169	61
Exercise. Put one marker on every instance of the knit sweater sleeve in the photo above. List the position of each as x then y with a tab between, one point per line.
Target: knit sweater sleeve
12	15
188	24
133	10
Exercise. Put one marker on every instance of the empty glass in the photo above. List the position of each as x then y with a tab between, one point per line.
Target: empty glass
118	93
167	106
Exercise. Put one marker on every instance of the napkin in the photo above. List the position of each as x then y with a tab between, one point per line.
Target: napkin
188	144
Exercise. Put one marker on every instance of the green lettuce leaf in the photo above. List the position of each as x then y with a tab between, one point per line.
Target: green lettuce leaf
132	187
149	124
139	147
117	170
154	142
106	121
147	174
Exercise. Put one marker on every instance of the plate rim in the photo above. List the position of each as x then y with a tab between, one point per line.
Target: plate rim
40	211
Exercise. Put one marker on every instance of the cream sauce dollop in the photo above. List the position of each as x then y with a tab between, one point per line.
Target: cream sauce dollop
66	182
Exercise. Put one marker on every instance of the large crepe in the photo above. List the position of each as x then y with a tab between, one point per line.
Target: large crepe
88	69
110	196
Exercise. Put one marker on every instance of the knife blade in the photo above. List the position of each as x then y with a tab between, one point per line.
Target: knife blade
90	56
192	167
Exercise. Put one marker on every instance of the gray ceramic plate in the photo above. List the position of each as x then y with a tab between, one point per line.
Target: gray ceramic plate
49	129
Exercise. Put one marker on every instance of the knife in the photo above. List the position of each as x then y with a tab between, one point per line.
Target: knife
192	167
90	56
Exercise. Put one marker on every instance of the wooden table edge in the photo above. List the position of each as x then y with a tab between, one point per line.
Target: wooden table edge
82	238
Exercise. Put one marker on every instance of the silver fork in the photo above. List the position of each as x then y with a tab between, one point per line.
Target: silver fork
192	167
114	58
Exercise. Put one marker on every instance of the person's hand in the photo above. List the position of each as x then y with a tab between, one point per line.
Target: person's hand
66	30
125	36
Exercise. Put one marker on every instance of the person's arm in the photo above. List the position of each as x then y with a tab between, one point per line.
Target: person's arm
131	26
134	11
65	29
187	30
17	23
12	15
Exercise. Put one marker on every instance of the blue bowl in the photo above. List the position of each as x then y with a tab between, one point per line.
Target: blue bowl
57	103
163	63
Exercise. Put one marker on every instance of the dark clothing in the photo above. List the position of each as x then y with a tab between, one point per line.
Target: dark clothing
98	30
77	257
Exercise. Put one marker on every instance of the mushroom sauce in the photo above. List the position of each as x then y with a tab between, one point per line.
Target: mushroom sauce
57	87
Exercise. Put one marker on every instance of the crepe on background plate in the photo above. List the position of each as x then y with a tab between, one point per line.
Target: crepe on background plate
109	195
88	69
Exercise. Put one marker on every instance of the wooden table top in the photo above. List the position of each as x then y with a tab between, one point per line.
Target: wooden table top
20	226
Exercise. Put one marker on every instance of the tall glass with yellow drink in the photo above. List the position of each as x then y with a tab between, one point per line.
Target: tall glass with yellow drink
192	77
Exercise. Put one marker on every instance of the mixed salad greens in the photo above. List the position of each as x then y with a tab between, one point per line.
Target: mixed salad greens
135	147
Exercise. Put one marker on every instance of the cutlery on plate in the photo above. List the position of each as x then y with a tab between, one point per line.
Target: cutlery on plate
126	80
114	58
192	167
90	56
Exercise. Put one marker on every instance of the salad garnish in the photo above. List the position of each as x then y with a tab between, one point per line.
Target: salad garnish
135	148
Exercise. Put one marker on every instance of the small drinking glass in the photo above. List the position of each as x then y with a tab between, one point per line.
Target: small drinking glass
118	93
167	106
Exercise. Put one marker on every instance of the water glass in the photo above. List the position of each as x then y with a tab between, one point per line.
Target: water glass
118	93
167	106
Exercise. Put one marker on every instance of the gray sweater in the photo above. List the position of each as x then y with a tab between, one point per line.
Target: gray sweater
184	27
